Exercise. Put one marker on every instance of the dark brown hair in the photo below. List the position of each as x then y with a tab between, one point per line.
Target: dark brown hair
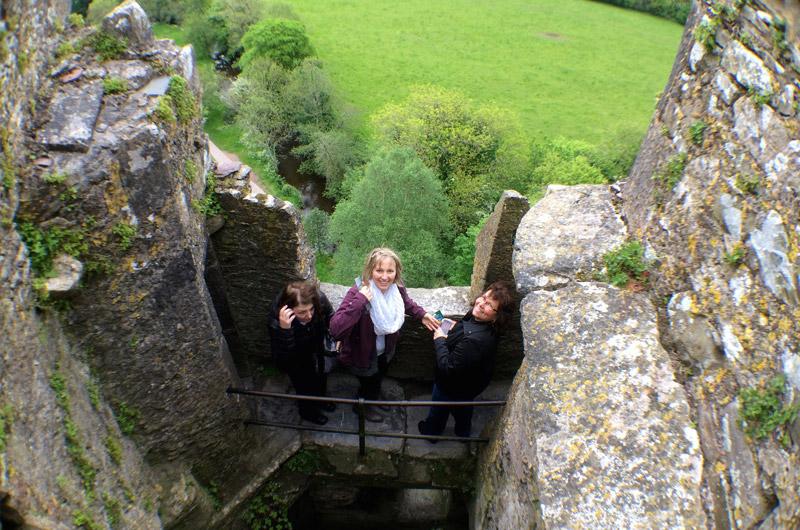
504	294
300	292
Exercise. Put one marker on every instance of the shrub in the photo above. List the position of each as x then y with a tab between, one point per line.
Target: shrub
562	161
317	227
127	417
735	256
172	11
125	232
460	272
696	132
283	41
115	85
98	9
706	33
108	46
163	111
671	173
45	244
268	510
762	411
182	97
625	263
748	183
677	10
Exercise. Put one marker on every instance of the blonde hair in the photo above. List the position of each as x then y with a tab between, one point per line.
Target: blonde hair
376	256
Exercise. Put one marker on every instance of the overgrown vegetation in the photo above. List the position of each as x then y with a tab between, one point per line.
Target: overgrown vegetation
107	46
75	449
82	519
305	461
126	416
762	411
706	33
696	132
6	419
44	244
735	256
114	85
748	183
113	510
671	172
268	510
182	98
625	264
209	204
113	447
126	232
283	41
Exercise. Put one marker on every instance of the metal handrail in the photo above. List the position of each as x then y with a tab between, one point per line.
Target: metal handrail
360	405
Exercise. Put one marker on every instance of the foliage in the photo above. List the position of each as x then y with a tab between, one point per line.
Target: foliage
65	49
696	132
221	27
616	153
113	510
114	448
762	411
94	393
172	11
676	10
330	153
127	417
562	161
75	449
98	9
317	227
398	203
268	510
45	244
748	183
706	33
759	98
55	177
460	272
449	133
114	85
213	492
209	205
125	232
625	263
183	99
107	45
305	461
164	112
76	19
189	170
6	419
283	41
671	173
735	256
82	519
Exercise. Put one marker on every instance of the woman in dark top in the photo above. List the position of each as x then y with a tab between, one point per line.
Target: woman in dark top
465	359
368	322
298	323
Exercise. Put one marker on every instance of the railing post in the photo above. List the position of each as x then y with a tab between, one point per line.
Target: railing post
362	429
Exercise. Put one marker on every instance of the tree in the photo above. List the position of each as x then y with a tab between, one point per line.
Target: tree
475	150
283	41
220	28
317	226
562	161
398	203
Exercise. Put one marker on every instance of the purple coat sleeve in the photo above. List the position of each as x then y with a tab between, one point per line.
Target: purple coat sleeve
348	314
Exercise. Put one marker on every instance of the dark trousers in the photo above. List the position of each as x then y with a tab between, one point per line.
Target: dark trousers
437	418
370	387
309	384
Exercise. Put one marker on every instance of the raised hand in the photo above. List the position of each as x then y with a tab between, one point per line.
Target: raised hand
285	317
366	291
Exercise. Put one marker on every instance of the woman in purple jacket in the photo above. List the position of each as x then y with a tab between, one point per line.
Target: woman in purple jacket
368	322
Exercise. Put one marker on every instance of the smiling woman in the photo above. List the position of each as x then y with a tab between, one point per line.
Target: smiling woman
574	68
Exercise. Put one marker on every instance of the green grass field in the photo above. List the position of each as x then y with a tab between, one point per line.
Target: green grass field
575	68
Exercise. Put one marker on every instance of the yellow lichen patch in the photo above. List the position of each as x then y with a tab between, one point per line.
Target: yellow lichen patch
720	467
114	194
784	324
692	243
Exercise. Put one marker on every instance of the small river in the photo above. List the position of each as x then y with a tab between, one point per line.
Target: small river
311	187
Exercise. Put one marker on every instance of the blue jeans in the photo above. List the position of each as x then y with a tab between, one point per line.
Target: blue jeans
437	418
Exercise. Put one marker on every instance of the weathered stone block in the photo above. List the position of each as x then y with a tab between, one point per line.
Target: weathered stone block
564	237
128	20
611	435
73	113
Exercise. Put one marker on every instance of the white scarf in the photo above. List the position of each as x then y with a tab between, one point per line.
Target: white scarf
386	310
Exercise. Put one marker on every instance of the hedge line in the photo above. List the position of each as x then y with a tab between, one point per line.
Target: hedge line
677	10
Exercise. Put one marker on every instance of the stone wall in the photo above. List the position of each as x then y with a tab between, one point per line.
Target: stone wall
596	432
713	196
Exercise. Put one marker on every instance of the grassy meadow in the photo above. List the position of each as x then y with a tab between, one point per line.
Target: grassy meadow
573	68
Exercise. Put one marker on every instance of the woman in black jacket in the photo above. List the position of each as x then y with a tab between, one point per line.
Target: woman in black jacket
465	359
298	323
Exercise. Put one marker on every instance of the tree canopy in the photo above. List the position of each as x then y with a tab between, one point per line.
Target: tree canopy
398	203
283	41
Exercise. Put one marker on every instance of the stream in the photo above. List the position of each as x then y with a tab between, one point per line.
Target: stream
311	187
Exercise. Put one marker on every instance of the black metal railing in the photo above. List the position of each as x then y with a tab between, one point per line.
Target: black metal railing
360	405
